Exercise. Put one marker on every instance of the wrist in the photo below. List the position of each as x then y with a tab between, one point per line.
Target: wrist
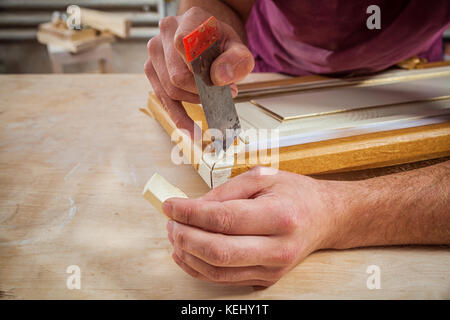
329	204
346	207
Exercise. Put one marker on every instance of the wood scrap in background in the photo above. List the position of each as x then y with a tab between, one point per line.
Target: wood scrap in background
96	28
117	24
59	30
74	46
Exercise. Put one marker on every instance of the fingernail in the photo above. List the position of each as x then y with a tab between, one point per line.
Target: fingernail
167	207
226	73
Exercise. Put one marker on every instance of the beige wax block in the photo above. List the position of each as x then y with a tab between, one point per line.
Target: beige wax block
157	190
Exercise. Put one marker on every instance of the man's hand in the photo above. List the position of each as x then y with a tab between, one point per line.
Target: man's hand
257	226
169	73
252	229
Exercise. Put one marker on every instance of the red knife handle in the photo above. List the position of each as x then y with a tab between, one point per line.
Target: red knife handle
201	38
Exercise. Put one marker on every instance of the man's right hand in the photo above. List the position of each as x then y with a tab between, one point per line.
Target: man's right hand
170	74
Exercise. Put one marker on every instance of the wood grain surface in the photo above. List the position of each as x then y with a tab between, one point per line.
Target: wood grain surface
75	153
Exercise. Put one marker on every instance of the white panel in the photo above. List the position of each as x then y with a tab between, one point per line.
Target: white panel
305	104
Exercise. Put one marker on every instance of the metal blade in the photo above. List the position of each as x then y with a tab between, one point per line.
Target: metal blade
217	102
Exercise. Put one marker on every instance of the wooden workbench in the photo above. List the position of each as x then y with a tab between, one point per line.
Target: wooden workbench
75	153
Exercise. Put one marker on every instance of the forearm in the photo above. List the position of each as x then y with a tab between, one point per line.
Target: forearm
406	208
221	11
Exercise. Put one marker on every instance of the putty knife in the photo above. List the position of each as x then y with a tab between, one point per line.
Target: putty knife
202	48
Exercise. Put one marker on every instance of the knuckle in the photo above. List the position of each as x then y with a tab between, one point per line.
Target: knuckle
179	78
181	254
147	65
215	274
218	256
241	51
180	239
257	178
286	255
172	92
222	220
185	214
152	45
288	221
166	23
193	11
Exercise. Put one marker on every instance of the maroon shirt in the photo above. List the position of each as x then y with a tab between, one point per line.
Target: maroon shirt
299	37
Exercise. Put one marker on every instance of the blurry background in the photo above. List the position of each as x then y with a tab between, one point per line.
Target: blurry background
20	52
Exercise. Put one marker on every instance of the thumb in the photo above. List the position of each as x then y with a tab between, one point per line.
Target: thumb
234	64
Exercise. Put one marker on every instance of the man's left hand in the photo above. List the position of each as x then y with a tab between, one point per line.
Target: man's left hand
252	229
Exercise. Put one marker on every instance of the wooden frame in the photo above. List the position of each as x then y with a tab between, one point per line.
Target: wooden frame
386	142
